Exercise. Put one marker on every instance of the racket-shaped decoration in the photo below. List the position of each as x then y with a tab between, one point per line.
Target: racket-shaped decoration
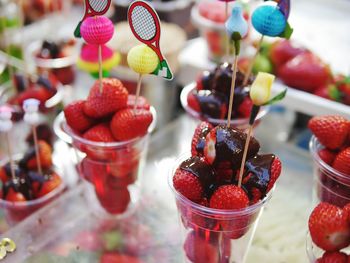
145	25
93	8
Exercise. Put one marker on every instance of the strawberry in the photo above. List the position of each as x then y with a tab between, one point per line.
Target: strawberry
256	195
306	72
343	84
99	133
188	185
45	155
142	102
193	103
14	196
229	197
52	182
346	208
331	131
276	168
333	257
113	97
342	161
76	118
199	250
198	139
284	50
114	257
127	125
327	156
245	107
115	201
329	227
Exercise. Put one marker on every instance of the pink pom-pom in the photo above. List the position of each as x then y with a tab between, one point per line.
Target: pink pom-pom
97	30
89	53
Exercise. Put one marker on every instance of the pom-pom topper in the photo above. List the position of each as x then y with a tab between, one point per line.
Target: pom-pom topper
270	19
5	127
145	25
93	8
31	116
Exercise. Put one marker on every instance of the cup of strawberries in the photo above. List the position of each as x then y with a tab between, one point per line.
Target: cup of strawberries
109	131
330	149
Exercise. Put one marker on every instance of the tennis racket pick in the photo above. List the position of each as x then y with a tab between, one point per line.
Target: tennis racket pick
145	25
93	8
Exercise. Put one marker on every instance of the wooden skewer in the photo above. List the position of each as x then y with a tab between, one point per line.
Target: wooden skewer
100	73
252	61
232	94
245	152
138	90
227	44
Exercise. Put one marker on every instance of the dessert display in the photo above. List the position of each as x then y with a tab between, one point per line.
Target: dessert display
58	58
330	233
330	150
113	137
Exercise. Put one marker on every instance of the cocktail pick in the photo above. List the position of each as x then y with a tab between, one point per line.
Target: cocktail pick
31	116
260	93
145	25
92	8
5	127
269	19
236	28
98	31
227	13
143	60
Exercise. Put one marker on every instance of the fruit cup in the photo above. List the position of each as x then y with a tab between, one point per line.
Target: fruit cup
112	168
213	235
241	123
330	185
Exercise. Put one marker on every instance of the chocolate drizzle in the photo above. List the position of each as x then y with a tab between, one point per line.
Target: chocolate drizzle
258	169
212	104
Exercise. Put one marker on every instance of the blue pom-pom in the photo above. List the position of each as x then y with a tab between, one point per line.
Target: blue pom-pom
268	20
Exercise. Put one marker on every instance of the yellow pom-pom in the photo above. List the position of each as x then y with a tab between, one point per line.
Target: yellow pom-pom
142	59
260	90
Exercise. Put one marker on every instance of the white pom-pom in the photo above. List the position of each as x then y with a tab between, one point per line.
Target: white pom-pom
31	105
5	119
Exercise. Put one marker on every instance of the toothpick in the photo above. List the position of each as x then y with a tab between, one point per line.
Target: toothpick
100	67
9	149
138	90
245	152
36	146
232	94
252	61
227	46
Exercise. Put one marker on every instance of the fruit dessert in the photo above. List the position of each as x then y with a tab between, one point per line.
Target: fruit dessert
54	56
330	148
112	134
330	231
213	207
210	97
28	190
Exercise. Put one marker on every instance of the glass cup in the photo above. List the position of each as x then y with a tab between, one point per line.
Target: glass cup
329	185
214	235
242	123
15	212
113	169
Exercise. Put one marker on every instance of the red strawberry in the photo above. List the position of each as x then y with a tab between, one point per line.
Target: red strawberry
193	102
284	50
327	156
276	168
323	92
331	131
99	133
256	195
329	227
200	250
245	107
115	201
142	102
188	185
76	118
127	125
114	257
113	97
204	202
229	197
343	84
45	154
14	196
333	257
198	139
342	161
306	72
53	181
346	208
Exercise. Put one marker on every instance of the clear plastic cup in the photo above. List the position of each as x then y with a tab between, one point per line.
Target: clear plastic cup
15	212
242	123
330	185
213	235
113	169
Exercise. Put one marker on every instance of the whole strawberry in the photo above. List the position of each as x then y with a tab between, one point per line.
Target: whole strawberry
284	50
329	227
327	156
188	185
76	118
114	96
342	161
276	169
99	133
198	139
245	107
331	130
229	197
45	154
127	124
333	257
